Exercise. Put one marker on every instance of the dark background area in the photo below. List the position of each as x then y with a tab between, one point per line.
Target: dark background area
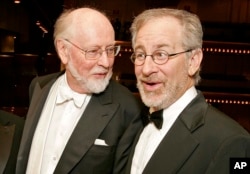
27	50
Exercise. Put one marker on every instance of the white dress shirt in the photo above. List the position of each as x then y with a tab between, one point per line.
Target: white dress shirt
57	122
151	137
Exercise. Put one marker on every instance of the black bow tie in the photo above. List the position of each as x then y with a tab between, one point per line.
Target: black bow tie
155	117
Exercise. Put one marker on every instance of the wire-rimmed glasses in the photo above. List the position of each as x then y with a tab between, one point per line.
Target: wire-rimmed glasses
159	57
96	52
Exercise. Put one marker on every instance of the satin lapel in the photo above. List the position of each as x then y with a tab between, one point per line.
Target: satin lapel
95	118
33	115
130	158
36	107
172	152
179	143
40	94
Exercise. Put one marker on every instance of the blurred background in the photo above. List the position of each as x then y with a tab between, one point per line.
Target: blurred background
27	50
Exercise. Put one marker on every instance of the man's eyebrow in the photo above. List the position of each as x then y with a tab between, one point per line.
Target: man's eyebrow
139	47
156	46
162	45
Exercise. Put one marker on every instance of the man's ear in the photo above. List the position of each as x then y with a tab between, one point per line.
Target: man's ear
62	51
195	61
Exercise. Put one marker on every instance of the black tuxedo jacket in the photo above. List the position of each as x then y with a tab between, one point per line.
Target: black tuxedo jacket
11	127
113	116
201	141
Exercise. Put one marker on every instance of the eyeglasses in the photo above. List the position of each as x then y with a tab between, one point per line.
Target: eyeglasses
159	57
95	53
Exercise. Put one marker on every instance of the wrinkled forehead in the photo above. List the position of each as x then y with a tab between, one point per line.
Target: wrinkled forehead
161	24
89	17
165	29
88	21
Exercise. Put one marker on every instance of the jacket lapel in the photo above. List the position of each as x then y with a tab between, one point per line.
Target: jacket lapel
131	155
179	143
94	119
33	115
172	152
35	108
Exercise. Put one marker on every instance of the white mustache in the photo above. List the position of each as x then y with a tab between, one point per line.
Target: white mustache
99	71
150	79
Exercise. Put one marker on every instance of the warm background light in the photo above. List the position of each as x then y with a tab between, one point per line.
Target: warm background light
17	1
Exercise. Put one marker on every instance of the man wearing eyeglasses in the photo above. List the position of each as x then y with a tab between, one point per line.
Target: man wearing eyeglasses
79	120
182	133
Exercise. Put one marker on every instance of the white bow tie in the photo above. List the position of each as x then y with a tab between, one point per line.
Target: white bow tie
65	94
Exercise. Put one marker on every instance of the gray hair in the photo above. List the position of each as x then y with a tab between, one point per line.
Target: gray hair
63	27
191	26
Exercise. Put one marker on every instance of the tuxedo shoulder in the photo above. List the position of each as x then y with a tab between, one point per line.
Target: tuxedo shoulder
124	95
224	124
120	90
44	79
47	77
10	118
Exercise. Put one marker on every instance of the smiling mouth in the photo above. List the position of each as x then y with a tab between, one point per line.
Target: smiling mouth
150	86
100	75
150	83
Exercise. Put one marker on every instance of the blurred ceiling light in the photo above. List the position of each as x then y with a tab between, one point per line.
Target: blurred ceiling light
38	23
17	1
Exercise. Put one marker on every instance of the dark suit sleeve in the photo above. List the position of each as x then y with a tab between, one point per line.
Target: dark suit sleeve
42	81
18	122
125	144
31	87
237	146
130	108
